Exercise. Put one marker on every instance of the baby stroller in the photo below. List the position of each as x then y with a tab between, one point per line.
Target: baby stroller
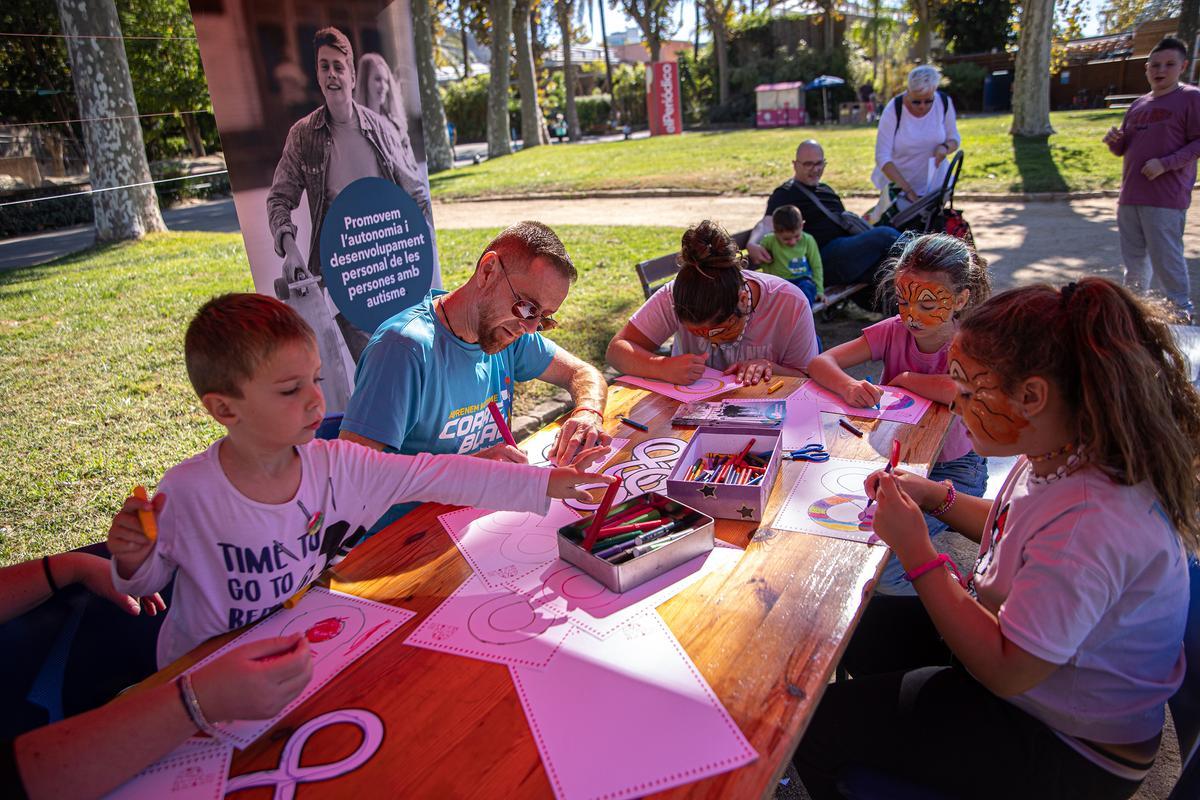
934	212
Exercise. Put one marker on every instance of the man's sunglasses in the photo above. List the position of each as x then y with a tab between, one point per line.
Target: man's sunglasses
527	309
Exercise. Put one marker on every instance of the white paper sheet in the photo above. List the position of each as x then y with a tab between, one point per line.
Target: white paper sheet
896	405
502	546
711	383
627	715
588	605
645	469
828	497
196	770
492	625
537	447
341	628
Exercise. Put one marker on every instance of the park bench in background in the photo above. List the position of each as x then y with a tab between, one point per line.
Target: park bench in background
657	271
1119	100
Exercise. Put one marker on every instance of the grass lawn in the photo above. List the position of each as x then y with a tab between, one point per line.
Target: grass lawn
95	397
755	162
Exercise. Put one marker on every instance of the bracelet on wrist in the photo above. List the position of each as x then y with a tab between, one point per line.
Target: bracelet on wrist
191	704
931	565
50	576
948	502
595	411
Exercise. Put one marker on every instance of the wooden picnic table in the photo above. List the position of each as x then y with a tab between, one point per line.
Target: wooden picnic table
766	635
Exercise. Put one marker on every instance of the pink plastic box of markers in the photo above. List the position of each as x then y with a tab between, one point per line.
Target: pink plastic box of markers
726	500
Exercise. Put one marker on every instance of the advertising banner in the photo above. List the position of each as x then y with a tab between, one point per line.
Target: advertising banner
662	97
320	121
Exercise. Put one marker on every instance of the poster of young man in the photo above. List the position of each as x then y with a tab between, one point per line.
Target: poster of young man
320	120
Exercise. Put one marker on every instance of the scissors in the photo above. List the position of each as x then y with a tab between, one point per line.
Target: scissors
810	452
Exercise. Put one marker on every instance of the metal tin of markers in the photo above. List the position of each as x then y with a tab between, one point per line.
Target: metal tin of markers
625	576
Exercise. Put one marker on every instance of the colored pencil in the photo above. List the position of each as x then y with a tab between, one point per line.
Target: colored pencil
501	424
871	380
615	530
601	513
633	423
774	387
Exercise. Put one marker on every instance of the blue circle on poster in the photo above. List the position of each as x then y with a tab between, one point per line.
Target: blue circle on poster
376	252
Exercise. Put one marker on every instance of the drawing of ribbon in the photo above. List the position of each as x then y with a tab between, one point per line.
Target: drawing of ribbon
289	773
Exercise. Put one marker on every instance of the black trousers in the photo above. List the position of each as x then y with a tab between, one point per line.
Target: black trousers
911	711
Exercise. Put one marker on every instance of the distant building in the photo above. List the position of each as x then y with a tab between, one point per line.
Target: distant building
629	47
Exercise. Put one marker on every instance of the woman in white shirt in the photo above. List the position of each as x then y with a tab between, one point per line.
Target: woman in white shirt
925	129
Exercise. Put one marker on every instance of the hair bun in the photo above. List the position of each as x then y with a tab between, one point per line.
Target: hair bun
707	246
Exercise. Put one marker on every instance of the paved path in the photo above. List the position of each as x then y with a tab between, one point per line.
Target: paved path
1023	242
38	248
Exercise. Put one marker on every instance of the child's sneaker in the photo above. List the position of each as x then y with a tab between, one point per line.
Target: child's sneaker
854	311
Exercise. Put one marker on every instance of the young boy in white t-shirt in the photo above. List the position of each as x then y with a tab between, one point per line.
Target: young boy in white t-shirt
263	511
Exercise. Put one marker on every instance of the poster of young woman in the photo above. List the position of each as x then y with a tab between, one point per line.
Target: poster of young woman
320	121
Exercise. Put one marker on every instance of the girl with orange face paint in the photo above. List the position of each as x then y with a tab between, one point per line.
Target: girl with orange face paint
1065	639
936	281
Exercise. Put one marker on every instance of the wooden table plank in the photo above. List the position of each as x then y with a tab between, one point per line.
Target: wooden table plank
766	635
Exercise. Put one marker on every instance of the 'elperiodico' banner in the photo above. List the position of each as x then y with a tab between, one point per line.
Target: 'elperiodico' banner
320	120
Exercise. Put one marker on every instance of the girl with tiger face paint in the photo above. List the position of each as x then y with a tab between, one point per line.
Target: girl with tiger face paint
1066	637
936	279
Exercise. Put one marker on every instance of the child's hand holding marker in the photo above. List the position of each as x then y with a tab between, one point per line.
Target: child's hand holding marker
134	530
862	394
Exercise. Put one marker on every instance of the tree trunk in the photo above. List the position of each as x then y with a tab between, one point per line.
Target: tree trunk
654	45
607	58
1189	23
531	112
1031	88
116	153
191	129
438	153
565	10
498	141
716	22
462	33
924	30
830	9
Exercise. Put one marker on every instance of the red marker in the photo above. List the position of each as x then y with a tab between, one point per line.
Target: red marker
895	459
593	533
616	530
501	424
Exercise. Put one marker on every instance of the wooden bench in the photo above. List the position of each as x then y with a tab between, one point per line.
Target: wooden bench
1120	100
656	272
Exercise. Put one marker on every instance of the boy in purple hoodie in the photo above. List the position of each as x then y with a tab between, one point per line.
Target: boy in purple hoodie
1160	142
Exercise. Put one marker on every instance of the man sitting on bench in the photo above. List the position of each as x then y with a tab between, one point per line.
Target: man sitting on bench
850	250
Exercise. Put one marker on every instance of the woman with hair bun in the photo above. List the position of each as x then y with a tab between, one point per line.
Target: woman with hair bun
722	315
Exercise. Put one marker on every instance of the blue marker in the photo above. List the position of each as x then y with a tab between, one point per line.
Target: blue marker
871	381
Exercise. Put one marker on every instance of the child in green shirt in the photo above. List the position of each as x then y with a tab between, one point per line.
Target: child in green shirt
795	256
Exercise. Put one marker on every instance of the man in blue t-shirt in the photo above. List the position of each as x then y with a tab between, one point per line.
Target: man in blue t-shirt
424	380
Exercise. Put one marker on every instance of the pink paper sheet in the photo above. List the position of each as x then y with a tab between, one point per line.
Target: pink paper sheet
711	383
196	770
897	405
537	447
573	593
502	546
627	715
492	625
341	628
801	421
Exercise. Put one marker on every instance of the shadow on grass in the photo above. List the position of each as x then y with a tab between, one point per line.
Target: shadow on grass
18	275
1039	172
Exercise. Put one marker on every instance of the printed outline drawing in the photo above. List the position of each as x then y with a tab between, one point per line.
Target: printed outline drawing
641	466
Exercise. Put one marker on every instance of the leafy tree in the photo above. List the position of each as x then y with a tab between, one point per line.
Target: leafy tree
500	17
438	153
719	13
1123	15
974	26
655	18
1031	87
124	202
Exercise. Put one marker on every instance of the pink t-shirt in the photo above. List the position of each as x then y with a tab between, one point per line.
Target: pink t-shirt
780	329
1089	574
891	343
236	560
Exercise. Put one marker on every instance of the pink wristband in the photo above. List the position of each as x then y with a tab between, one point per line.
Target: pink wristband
929	566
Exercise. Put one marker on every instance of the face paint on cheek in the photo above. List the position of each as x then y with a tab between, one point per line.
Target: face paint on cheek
990	415
927	303
731	332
